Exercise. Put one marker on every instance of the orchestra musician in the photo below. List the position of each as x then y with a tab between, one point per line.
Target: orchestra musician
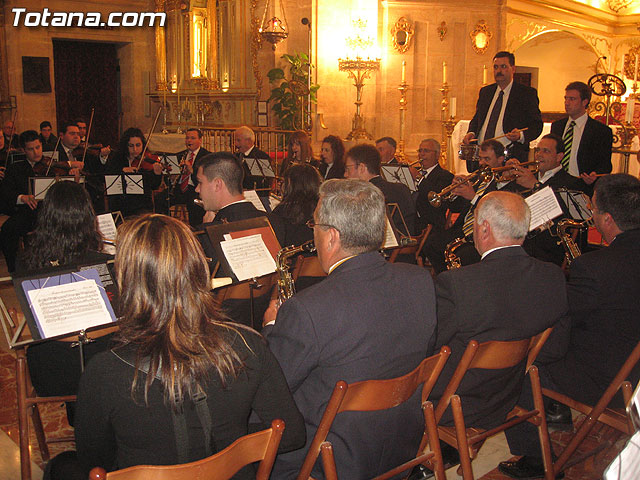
506	108
472	305
245	143
434	179
602	291
127	160
20	204
48	140
65	234
298	150
10	136
359	323
332	155
178	356
386	146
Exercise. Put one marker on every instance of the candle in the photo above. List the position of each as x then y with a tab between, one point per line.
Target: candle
631	103
453	107
444	72
404	67
635	75
484	75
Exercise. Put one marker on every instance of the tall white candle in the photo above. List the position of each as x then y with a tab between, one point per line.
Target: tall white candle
404	67
635	75
444	72
631	103
452	110
484	75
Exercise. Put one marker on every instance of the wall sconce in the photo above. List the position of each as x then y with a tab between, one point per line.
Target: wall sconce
273	30
480	37
401	34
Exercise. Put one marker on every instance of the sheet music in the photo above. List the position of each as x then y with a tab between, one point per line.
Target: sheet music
51	154
399	174
544	206
626	466
41	185
107	228
577	204
390	240
260	167
133	184
114	184
248	257
67	303
273	202
252	196
173	161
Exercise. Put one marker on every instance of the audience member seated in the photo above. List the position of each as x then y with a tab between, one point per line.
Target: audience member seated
65	233
508	295
178	361
298	150
603	305
369	319
332	155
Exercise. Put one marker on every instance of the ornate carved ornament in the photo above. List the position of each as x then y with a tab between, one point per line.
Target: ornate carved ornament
401	34
480	37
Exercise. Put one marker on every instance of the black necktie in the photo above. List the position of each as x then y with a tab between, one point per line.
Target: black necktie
493	119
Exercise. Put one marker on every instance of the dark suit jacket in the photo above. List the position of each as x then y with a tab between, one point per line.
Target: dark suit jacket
16	182
369	319
251	182
594	152
603	302
400	194
521	111
337	171
437	179
507	296
182	155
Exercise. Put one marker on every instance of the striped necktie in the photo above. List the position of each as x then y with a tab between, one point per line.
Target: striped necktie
568	142
467	226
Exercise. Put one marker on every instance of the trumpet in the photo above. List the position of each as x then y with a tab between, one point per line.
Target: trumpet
506	168
481	175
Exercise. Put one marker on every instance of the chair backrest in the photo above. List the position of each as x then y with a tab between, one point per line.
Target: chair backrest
371	395
412	249
242	291
258	447
492	355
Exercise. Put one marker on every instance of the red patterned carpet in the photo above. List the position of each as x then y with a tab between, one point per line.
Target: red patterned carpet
55	424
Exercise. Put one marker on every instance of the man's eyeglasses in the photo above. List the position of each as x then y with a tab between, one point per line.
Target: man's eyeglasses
426	150
311	224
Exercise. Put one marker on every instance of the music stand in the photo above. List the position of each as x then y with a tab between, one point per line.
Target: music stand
260	168
399	174
39	186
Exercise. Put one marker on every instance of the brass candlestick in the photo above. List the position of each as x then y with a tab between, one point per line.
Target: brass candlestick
359	70
404	86
448	124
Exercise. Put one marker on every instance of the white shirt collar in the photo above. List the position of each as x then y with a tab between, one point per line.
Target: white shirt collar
496	248
548	174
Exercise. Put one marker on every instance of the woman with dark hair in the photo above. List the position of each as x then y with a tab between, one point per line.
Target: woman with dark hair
299	200
298	150
332	154
178	356
128	159
66	234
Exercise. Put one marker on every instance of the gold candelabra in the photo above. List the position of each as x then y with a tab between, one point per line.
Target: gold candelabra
448	125
359	70
404	86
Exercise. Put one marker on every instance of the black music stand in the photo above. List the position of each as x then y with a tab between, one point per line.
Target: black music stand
399	174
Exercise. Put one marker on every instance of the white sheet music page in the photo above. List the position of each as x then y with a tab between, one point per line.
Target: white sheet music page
68	307
107	228
544	206
390	240
252	196
114	184
626	466
248	257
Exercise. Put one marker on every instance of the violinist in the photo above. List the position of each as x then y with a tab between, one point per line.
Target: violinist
48	140
10	137
127	159
15	195
183	189
69	139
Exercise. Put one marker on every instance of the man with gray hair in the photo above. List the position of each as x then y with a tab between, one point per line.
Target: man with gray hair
507	296
245	141
434	179
369	319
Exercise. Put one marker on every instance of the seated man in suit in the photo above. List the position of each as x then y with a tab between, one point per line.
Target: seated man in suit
602	291
48	141
507	296
587	150
369	319
245	142
465	198
549	152
386	146
363	163
434	179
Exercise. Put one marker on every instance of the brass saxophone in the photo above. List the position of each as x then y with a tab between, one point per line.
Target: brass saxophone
450	258
571	250
286	285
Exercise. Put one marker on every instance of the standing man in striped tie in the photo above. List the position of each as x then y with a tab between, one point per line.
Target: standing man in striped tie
506	109
587	142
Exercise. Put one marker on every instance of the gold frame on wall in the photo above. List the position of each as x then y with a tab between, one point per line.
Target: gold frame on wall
480	37
402	27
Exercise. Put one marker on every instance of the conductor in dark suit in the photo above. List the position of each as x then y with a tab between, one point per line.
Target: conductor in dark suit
369	319
434	179
245	140
507	296
603	303
587	141
363	163
505	107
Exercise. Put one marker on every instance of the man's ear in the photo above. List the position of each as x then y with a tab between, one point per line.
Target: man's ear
334	240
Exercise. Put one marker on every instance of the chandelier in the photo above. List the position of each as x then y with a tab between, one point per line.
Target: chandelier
273	30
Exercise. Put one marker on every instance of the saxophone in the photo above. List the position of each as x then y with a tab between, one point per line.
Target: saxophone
286	285
571	250
450	258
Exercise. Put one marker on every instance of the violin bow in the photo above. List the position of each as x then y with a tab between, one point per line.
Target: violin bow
6	159
86	140
153	127
46	174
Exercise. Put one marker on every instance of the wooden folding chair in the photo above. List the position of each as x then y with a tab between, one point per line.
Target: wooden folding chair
372	395
413	249
258	447
307	267
492	356
614	418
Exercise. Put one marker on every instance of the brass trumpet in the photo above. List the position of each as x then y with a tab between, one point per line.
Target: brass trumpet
479	176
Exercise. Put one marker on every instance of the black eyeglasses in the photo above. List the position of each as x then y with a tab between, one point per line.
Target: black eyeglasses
311	224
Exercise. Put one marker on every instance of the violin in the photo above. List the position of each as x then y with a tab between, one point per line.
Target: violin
49	167
147	163
93	149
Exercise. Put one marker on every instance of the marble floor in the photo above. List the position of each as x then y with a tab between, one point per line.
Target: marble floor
494	451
